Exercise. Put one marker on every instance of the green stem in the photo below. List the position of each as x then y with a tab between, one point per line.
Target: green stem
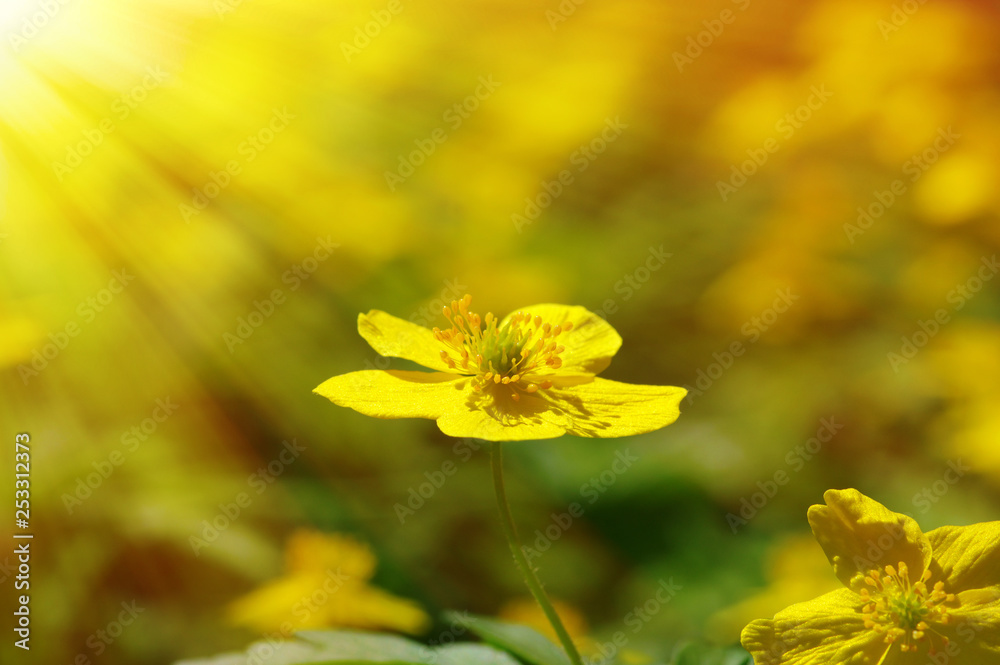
527	572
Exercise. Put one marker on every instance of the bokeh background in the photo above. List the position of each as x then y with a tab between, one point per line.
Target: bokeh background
197	198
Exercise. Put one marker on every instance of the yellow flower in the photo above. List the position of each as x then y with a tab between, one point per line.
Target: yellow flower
326	584
528	376
910	597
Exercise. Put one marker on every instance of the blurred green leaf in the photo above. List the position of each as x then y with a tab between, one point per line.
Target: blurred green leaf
699	654
525	643
347	647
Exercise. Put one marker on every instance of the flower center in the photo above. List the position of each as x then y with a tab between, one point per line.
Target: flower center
511	355
904	611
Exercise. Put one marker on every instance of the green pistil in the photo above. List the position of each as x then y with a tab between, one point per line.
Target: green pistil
505	351
909	609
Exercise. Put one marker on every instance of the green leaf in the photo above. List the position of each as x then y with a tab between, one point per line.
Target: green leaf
699	654
353	647
525	643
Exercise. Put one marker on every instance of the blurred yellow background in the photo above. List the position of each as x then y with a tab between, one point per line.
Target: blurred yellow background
790	208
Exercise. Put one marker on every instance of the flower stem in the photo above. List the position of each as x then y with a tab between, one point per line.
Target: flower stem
530	578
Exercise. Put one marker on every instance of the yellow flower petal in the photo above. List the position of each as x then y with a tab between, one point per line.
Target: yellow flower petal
326	585
606	409
859	534
483	417
393	337
269	606
396	394
590	343
974	630
967	557
828	630
321	600
575	405
371	608
318	552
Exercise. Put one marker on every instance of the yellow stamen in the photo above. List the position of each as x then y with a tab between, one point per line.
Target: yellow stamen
903	612
523	347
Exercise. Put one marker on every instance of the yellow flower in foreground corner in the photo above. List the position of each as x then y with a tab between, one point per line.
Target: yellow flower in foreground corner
910	597
528	376
326	585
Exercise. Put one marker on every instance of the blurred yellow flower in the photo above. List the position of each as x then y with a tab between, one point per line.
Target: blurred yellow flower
326	584
527	612
528	376
956	618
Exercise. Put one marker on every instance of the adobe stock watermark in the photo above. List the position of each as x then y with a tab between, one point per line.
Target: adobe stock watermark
248	149
33	21
590	492
258	481
914	167
130	441
426	316
302	609
786	127
418	495
563	11
697	43
581	158
927	496
364	34
431	312
752	330
631	282
899	17
458	625
7	569
795	460
121	109
88	310
967	630
223	7
456	114
928	329
878	548
635	620
99	641
262	310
